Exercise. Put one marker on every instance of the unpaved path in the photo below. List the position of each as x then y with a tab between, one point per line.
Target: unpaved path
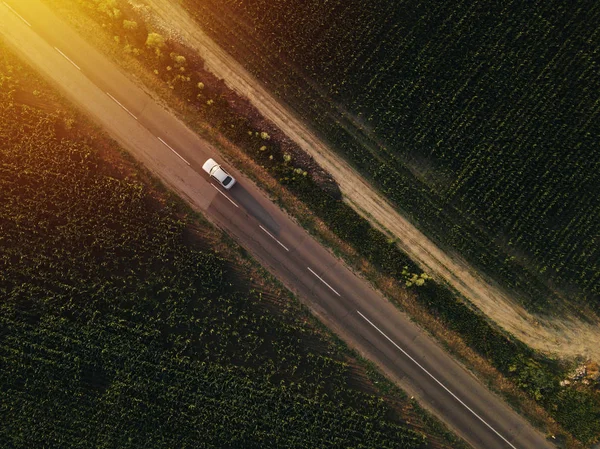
565	336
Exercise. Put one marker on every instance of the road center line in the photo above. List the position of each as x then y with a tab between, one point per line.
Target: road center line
219	190
124	108
321	279
67	58
17	14
273	237
437	381
171	148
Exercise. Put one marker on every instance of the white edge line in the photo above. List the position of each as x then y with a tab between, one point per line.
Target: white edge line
321	279
124	108
439	383
273	237
171	148
67	58
17	14
219	190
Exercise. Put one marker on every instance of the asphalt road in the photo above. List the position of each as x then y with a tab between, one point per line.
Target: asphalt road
347	304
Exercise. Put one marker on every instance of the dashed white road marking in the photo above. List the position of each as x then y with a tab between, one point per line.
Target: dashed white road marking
119	103
68	59
219	190
273	237
437	381
321	279
17	14
171	148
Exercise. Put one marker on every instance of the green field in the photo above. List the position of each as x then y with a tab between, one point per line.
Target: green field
121	327
479	120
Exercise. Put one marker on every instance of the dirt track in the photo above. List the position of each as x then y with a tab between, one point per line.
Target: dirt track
566	336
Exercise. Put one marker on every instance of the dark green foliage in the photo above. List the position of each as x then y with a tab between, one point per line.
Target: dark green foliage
536	375
347	224
494	105
580	412
115	332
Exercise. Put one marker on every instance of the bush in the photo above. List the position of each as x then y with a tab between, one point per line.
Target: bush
155	41
130	25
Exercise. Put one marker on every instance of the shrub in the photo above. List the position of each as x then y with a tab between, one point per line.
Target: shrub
130	25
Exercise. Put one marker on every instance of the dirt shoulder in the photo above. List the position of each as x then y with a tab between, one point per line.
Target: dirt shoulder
566	336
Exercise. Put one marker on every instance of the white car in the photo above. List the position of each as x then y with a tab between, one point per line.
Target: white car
217	172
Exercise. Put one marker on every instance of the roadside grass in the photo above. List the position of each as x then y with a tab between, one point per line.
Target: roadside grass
501	362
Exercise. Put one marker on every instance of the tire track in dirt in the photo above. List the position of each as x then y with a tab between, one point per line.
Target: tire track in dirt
567	336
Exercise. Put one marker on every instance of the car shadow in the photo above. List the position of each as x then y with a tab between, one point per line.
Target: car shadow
239	193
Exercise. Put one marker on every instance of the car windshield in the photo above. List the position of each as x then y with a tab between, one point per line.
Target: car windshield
227	180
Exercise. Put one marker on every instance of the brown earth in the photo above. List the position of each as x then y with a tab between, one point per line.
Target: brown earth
562	334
